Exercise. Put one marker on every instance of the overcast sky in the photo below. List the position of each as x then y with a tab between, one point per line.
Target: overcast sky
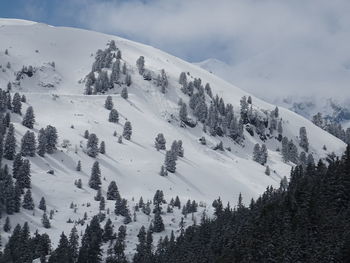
276	45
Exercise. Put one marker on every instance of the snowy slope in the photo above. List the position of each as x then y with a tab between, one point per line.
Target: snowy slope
203	174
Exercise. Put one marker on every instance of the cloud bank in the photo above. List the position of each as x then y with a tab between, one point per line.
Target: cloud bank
271	45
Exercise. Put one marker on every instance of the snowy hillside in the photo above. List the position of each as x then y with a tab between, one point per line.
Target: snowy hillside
56	93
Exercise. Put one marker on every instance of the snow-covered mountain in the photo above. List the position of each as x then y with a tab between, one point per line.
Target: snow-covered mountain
56	92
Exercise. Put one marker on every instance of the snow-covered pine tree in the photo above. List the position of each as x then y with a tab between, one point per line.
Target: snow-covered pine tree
42	204
28	144
113	192
92	146
95	177
51	139
124	94
113	116
17	104
29	118
28	202
163	171
160	142
42	143
45	221
183	112
10	143
304	142
102	147
162	81
140	63
109	103
170	161
78	168
256	153
127	131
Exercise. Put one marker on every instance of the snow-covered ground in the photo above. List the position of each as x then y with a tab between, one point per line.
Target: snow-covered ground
203	174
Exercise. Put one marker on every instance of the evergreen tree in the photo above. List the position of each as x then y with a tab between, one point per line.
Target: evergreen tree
113	192
170	161
304	142
28	144
124	94
140	63
256	153
78	168
102	147
127	131
141	248
7	226
183	112
29	118
160	142
45	221
10	143
17	163
42	143
74	243
17	104
95	178
267	170
90	250
42	204
86	134
23	175
109	103
162	81
163	171
62	253
108	231
113	116
28	202
51	139
158	222
92	146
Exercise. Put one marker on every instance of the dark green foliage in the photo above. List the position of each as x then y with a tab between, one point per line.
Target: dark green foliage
124	94
92	145
113	192
42	204
95	178
45	221
17	104
28	202
160	142
90	250
62	253
10	143
102	147
109	103
29	118
7	225
51	139
127	131
113	116
28	144
78	168
305	221
42	142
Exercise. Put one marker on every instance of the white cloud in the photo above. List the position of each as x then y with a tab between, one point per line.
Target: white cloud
271	44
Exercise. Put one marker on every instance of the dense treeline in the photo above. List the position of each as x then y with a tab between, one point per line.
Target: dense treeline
306	221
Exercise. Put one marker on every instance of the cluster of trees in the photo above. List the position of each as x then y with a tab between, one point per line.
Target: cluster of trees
171	157
260	154
107	59
332	127
305	221
219	118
